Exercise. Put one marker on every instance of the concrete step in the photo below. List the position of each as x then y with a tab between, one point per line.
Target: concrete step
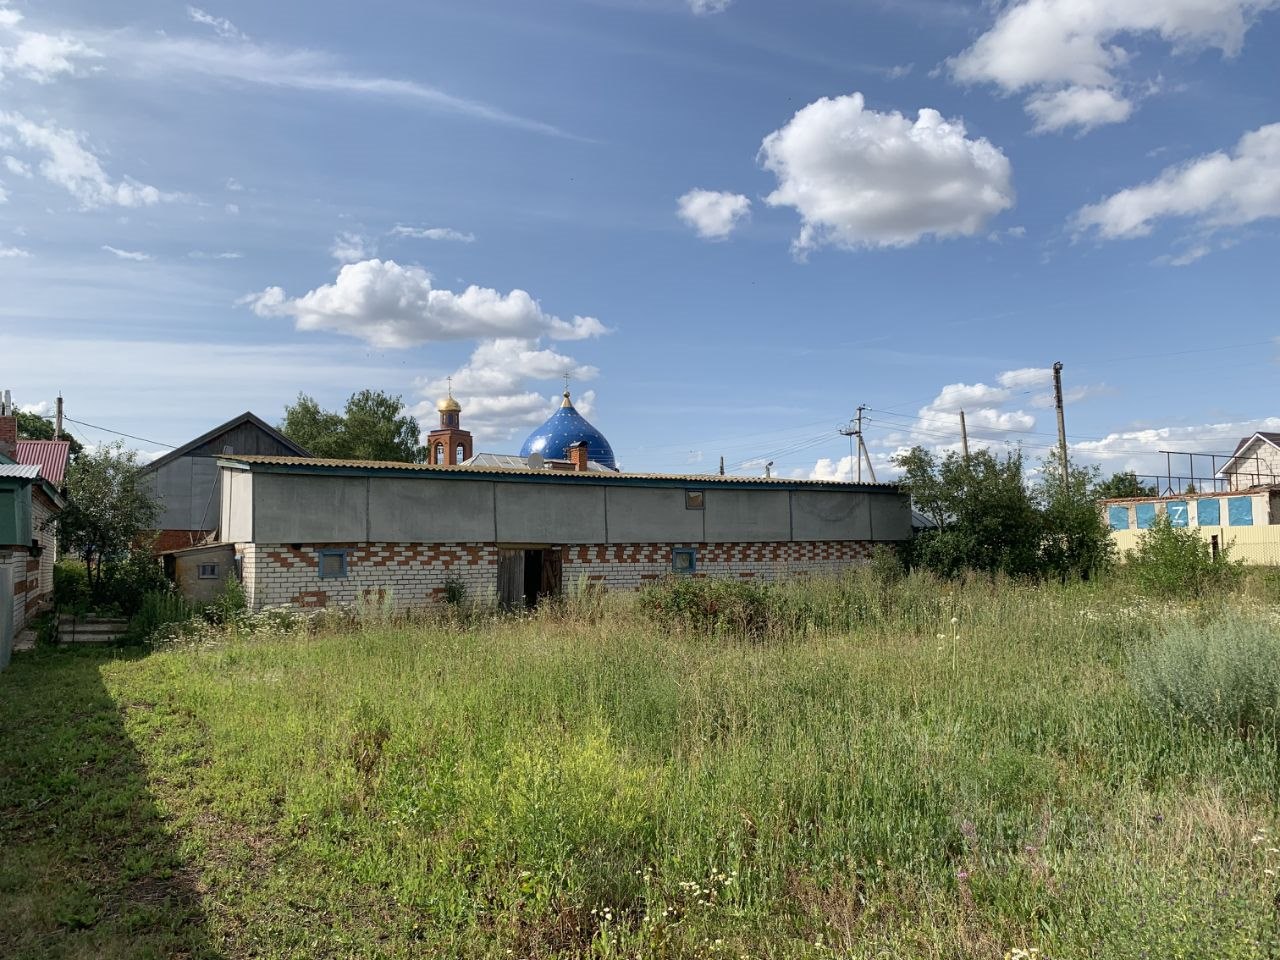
91	629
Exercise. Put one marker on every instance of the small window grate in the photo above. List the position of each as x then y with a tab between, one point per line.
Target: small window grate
332	564
695	500
684	560
208	571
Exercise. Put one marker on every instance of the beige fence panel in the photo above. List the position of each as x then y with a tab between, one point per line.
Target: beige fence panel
1258	545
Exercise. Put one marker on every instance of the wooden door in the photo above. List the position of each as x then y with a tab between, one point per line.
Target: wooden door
511	579
552	567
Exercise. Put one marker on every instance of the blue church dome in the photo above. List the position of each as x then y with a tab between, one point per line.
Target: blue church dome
564	428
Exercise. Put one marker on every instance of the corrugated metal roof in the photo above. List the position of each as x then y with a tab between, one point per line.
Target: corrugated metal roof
572	476
49	455
522	463
23	471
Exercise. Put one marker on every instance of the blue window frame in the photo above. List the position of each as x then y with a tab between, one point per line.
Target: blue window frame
332	564
1240	511
1118	517
684	560
1145	514
1209	513
1177	511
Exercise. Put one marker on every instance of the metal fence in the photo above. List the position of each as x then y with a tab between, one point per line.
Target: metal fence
1256	546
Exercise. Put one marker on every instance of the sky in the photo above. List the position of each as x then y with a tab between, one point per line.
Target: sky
728	222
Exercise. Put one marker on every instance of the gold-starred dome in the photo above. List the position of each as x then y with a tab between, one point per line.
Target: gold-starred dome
449	405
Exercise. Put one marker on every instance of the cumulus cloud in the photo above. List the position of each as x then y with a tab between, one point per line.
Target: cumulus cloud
860	178
69	164
13	253
432	233
1068	53
1139	449
713	213
17	167
496	388
705	7
37	56
42	408
349	247
1025	377
137	255
389	305
1216	190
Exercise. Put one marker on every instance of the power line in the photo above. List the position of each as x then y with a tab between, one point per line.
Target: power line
118	433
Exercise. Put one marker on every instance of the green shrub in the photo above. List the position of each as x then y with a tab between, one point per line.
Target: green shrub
157	609
230	604
709	606
455	591
1177	561
887	566
1225	673
71	586
126	582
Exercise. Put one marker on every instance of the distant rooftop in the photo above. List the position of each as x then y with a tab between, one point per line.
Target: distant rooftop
49	455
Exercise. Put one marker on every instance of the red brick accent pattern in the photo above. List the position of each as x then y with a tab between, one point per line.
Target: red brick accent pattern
415	573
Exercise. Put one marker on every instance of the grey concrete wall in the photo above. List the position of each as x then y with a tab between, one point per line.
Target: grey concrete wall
292	508
891	517
408	510
186	571
830	515
549	513
639	515
744	516
309	509
235	519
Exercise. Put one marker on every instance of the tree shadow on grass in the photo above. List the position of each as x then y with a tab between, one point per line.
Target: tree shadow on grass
86	867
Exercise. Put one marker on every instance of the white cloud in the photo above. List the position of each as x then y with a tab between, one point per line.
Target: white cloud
1139	450
713	213
17	167
1216	190
220	25
433	233
13	253
126	254
389	305
41	409
1083	107
495	388
1025	377
1068	53
234	185
69	164
221	255
231	209
707	7
41	57
171	59
859	178
350	247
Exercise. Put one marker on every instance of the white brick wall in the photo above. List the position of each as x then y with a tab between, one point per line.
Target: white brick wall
277	575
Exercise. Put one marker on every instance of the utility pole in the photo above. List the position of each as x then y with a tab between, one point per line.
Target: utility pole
964	437
57	430
855	430
768	470
850	431
722	466
1062	426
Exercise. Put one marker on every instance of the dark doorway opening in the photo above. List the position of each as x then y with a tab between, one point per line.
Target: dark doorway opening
527	575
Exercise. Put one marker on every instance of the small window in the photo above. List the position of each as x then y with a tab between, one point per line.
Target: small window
439	454
1177	511
208	571
459	453
1240	511
1209	513
1118	517
1145	513
333	564
684	560
695	500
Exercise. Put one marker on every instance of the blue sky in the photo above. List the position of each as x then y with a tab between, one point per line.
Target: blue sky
730	222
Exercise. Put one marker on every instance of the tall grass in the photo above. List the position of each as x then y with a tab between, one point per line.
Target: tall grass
838	783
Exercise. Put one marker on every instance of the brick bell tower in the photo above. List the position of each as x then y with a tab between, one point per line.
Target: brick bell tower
448	444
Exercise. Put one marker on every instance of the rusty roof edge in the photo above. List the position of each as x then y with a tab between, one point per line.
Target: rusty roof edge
313	464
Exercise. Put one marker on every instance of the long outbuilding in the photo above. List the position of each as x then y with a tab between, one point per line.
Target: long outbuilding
314	533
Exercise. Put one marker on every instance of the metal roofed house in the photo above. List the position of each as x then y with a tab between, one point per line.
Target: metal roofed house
185	480
30	502
313	532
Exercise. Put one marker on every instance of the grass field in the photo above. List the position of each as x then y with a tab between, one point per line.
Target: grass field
582	783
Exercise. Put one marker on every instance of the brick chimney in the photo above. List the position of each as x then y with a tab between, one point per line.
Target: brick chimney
8	427
578	456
